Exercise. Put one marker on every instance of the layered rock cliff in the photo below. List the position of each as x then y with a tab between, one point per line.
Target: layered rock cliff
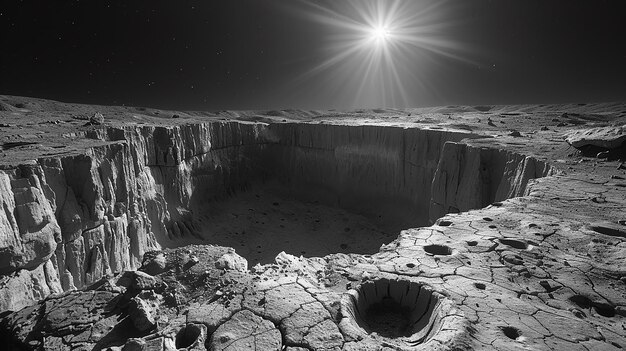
470	177
68	221
384	172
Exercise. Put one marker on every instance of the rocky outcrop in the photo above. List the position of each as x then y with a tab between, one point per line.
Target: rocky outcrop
603	137
69	221
30	234
30	230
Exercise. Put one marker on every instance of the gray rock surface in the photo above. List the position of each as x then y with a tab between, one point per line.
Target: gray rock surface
605	137
533	259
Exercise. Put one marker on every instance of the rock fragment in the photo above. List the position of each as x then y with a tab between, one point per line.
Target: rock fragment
142	313
96	119
515	134
154	262
605	137
143	281
232	261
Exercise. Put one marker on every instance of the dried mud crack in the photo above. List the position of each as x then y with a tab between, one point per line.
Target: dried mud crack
424	229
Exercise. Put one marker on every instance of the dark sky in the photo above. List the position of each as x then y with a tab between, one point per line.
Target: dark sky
259	54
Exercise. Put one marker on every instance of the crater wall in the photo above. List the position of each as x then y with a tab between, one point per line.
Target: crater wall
470	177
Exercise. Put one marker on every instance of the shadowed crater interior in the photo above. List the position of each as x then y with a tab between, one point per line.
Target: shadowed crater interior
314	190
404	313
609	229
511	332
438	250
188	335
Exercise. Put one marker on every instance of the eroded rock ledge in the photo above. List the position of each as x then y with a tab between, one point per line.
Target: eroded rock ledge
540	271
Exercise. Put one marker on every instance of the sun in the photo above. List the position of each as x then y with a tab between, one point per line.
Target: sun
378	53
380	33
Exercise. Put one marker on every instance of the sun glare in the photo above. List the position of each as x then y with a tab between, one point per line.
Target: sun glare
377	51
380	33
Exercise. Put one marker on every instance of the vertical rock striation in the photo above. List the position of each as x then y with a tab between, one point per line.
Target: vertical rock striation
376	170
470	177
68	221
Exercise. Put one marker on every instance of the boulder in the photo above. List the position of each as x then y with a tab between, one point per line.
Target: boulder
610	137
232	261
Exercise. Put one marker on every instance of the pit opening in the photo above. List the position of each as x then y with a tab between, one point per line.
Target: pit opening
438	250
388	318
188	336
480	286
406	312
511	332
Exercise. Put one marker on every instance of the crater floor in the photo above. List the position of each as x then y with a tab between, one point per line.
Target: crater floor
542	271
262	222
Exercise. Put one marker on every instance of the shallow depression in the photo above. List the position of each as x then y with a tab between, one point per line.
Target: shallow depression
405	314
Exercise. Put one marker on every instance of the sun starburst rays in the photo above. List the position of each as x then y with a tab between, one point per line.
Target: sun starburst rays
374	49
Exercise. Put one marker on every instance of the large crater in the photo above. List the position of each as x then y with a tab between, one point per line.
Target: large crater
315	189
307	189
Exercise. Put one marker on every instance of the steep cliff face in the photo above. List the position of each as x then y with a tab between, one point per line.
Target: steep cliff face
68	221
384	172
30	234
470	177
